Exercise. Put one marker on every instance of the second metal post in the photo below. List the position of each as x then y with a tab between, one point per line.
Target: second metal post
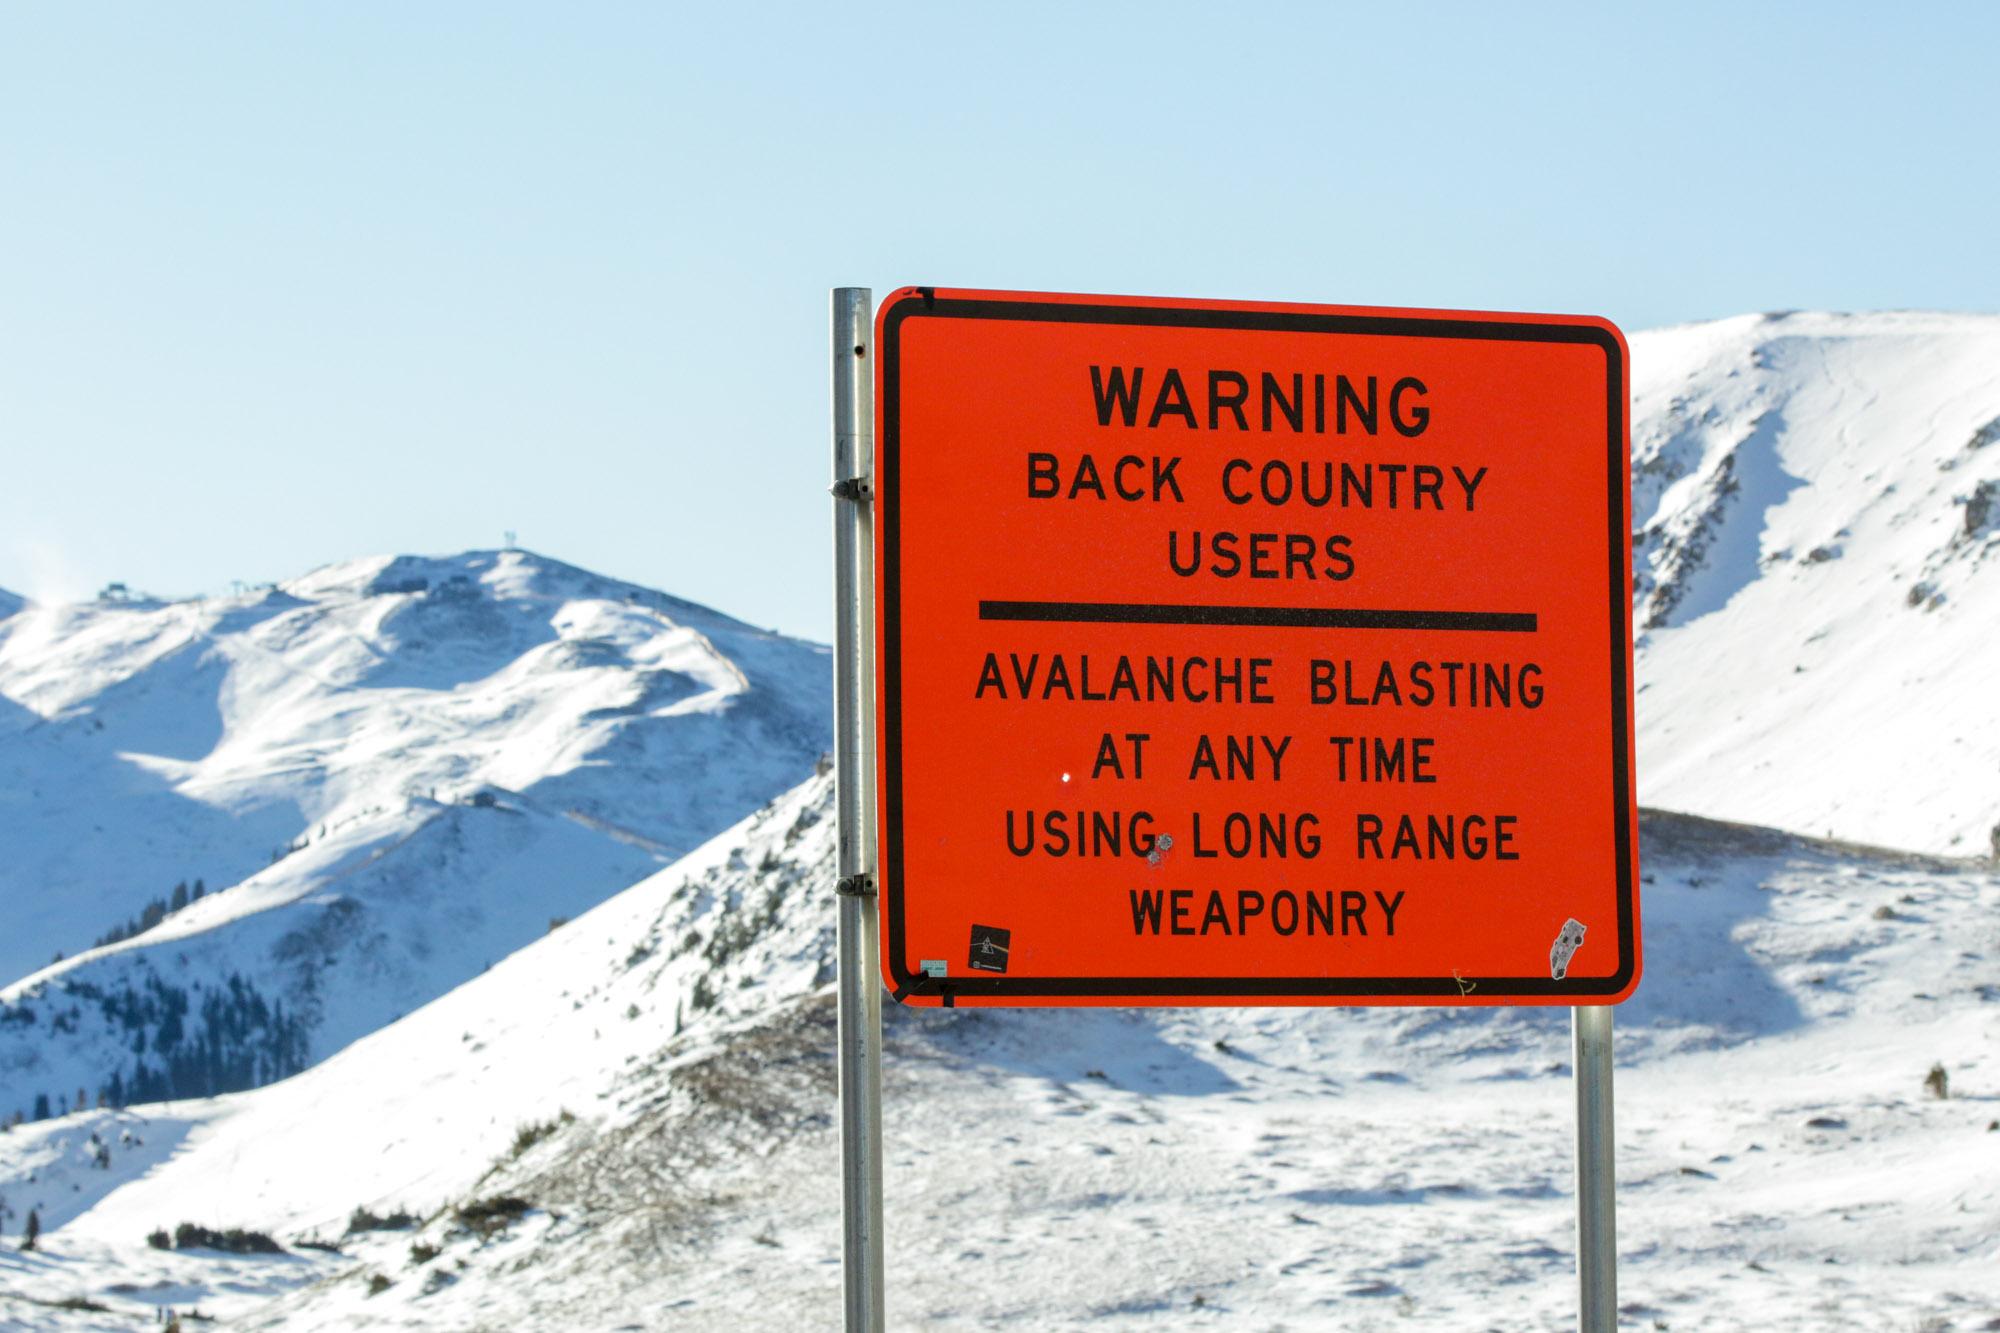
1596	1179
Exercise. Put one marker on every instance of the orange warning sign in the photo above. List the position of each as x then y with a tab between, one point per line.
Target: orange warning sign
1237	653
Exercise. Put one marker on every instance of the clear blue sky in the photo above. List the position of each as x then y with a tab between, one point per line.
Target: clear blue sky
283	284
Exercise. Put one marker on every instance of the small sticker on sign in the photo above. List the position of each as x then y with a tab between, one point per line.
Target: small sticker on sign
933	967
1568	941
989	948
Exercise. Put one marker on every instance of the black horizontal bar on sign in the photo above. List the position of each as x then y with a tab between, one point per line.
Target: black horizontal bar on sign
1284	617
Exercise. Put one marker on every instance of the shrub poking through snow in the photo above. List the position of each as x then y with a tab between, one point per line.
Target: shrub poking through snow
485	1217
159	1239
528	1135
361	1219
1981	508
1938	1083
191	1236
422	1252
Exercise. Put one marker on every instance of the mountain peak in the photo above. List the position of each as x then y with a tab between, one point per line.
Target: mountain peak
511	574
504	571
387	773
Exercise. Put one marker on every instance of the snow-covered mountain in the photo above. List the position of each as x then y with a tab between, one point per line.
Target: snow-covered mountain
379	779
1817	562
582	1027
630	1121
10	603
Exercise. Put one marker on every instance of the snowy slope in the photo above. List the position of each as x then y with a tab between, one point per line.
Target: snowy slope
413	1116
10	603
1817	503
1782	1166
389	774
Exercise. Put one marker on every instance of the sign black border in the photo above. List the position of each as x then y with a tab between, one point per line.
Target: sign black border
924	302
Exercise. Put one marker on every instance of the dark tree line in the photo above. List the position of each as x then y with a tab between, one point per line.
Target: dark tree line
189	1043
154	912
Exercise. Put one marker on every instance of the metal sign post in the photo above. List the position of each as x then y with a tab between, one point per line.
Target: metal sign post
1596	1187
854	790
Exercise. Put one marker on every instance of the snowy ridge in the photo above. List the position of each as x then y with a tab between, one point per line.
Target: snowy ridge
390	774
1817	571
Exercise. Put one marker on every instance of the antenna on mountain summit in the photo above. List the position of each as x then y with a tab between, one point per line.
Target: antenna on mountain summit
508	542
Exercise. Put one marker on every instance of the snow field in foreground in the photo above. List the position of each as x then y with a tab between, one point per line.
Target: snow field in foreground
1781	1164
